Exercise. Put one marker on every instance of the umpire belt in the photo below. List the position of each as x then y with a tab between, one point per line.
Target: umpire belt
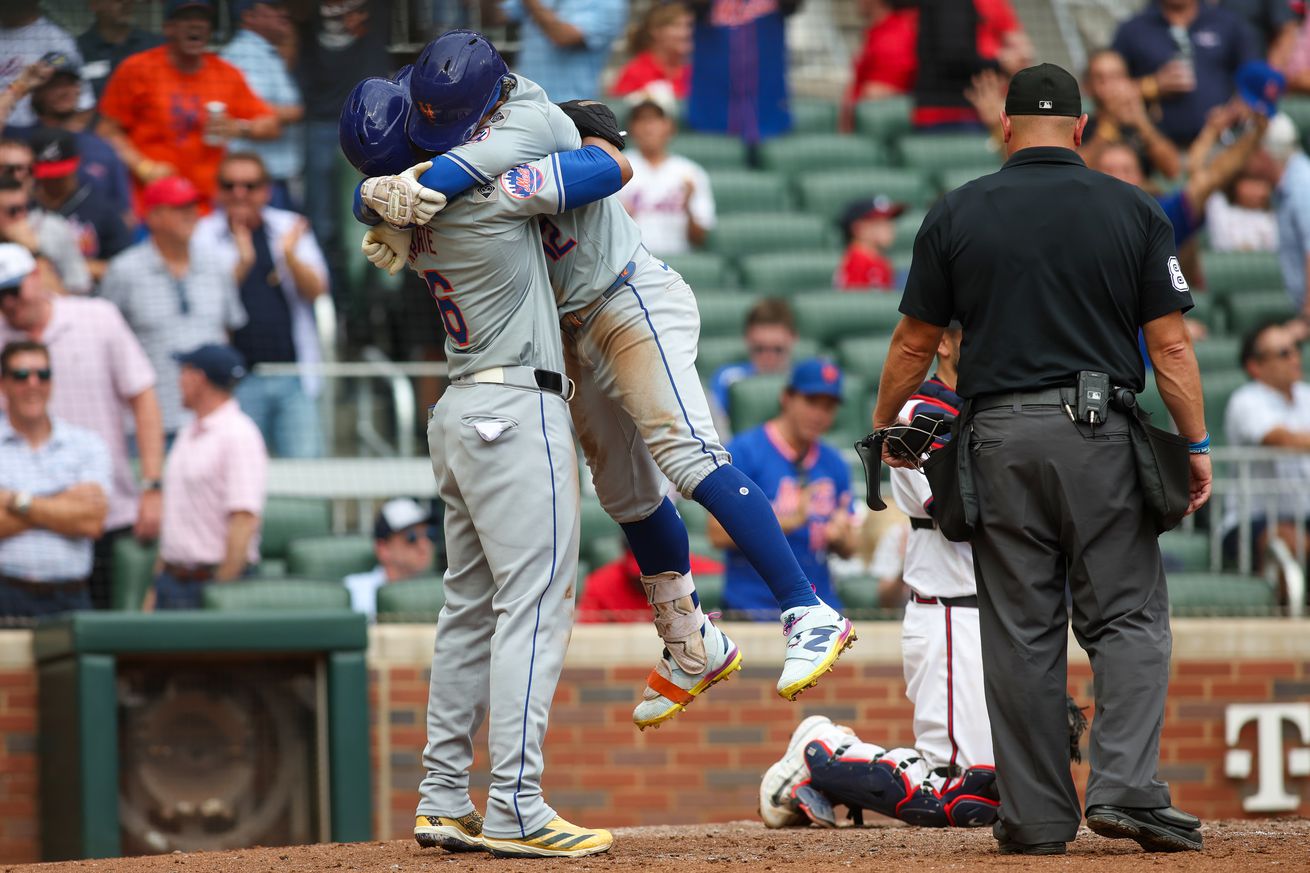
969	601
1018	399
522	377
575	321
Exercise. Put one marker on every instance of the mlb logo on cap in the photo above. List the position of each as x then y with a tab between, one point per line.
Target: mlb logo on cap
1045	104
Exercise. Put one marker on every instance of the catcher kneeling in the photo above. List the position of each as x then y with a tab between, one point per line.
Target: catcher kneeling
948	779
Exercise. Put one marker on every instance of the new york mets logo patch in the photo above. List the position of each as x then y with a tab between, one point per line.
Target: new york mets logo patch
480	135
523	181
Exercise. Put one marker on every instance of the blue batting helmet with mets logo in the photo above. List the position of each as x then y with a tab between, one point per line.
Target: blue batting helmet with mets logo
372	128
455	82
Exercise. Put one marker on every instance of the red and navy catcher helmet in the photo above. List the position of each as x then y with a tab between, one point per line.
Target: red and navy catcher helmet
455	82
372	127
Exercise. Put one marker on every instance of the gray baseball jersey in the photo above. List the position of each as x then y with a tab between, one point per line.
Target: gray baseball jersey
506	472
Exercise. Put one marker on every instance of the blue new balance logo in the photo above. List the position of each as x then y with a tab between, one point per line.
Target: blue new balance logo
819	637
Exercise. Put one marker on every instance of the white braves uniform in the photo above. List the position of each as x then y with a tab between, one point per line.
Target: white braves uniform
506	470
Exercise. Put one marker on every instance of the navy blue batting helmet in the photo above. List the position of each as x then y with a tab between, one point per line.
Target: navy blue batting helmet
455	83
372	129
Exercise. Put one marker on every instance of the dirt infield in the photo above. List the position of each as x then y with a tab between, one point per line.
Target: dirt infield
1230	846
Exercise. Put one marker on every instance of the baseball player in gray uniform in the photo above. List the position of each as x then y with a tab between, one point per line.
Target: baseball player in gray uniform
502	451
631	327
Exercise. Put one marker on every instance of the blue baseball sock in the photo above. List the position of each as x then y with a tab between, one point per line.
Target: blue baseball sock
740	506
659	541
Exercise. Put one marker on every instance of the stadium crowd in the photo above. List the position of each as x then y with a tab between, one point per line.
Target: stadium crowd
170	218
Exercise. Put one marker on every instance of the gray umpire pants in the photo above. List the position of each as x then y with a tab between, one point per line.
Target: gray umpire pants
1057	504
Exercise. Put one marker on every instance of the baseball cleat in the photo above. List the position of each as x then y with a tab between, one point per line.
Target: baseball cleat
778	807
670	690
558	839
463	834
816	637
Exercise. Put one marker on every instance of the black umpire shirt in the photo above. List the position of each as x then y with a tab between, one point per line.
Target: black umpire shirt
1051	268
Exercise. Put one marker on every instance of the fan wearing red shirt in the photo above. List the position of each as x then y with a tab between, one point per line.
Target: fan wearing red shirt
613	592
888	62
661	50
869	225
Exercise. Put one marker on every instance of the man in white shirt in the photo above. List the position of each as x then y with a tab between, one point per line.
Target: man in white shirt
1273	409
402	540
669	196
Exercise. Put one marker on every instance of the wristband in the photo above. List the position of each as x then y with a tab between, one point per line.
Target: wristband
1200	448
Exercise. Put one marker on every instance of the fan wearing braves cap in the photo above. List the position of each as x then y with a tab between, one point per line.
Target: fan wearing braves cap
805	479
402	541
1051	268
215	483
868	225
60	189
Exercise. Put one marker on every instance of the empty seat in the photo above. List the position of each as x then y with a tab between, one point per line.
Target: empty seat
411	600
858	593
749	233
1220	594
1191	549
1246	309
938	152
712	151
748	191
289	518
1229	272
280	594
330	557
954	177
702	269
709	588
723	314
133	572
864	355
755	399
830	318
828	194
797	155
601	538
1217	388
812	115
884	120
1217	353
789	272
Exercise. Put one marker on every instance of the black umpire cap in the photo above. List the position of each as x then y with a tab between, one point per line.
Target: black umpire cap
1044	90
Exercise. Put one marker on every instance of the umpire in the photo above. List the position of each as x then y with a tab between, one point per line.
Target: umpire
1052	268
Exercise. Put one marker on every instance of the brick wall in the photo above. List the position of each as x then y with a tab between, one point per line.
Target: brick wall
705	764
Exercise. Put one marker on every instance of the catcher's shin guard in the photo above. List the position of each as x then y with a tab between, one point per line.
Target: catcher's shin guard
972	800
923	808
865	776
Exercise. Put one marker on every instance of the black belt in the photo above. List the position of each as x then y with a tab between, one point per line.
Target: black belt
968	602
1044	397
549	380
922	523
35	586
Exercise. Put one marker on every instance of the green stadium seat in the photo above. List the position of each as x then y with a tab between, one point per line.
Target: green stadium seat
754	400
831	318
133	572
955	177
800	154
1227	273
709	588
289	518
935	153
749	233
712	151
907	228
702	269
279	594
748	191
884	120
601	539
1207	312
1218	353
1246	309
811	115
694	516
723	314
411	600
855	417
1220	594
786	273
864	355
1216	389
828	194
858	592
330	557
1190	548
715	351
1298	109
1151	401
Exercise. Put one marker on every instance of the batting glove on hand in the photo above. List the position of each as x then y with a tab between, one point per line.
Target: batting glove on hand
402	200
387	248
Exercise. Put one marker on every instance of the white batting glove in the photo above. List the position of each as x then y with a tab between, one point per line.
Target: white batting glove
402	200
387	248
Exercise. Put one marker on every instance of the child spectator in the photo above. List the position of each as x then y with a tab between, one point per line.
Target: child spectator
661	53
669	196
870	229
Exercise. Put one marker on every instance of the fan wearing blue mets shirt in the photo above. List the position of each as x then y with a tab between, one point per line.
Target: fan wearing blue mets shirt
806	480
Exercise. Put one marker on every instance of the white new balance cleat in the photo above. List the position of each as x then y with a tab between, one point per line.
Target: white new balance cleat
670	689
778	808
816	637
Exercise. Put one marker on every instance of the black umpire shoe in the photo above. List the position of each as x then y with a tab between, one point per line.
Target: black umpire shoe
1007	846
1155	830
